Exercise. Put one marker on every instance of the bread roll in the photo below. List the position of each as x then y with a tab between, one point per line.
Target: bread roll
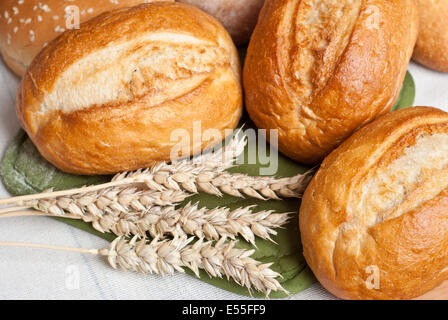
107	97
318	70
378	207
26	26
431	49
238	16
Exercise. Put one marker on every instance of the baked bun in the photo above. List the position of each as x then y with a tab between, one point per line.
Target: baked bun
239	17
26	26
431	49
318	70
107	97
374	219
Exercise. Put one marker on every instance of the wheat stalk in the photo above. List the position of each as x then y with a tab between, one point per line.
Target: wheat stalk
165	257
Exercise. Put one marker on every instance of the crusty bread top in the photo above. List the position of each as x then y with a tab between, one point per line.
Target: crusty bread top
318	70
26	26
379	200
320	34
136	53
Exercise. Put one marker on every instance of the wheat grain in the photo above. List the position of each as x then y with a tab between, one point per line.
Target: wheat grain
169	256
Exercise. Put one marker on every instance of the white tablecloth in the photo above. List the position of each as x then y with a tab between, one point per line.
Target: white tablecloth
42	274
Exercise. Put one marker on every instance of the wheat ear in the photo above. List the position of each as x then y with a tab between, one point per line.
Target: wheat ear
216	182
183	176
241	185
165	257
110	201
224	157
210	224
201	222
219	160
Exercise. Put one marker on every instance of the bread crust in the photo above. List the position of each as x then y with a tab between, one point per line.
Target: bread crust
128	121
363	211
239	17
317	75
431	49
26	27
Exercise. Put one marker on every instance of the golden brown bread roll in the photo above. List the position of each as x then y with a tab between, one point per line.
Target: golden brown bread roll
107	97
379	204
238	16
26	26
318	70
431	49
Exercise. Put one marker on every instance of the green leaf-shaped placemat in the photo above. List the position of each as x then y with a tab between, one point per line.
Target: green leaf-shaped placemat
407	94
25	171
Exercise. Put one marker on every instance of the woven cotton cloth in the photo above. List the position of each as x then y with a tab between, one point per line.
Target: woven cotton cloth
42	274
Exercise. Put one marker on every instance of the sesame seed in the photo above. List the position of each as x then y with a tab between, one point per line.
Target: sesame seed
15	29
8	39
32	36
90	10
27	21
20	2
6	14
55	17
9	20
45	8
59	29
15	10
39	18
45	44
